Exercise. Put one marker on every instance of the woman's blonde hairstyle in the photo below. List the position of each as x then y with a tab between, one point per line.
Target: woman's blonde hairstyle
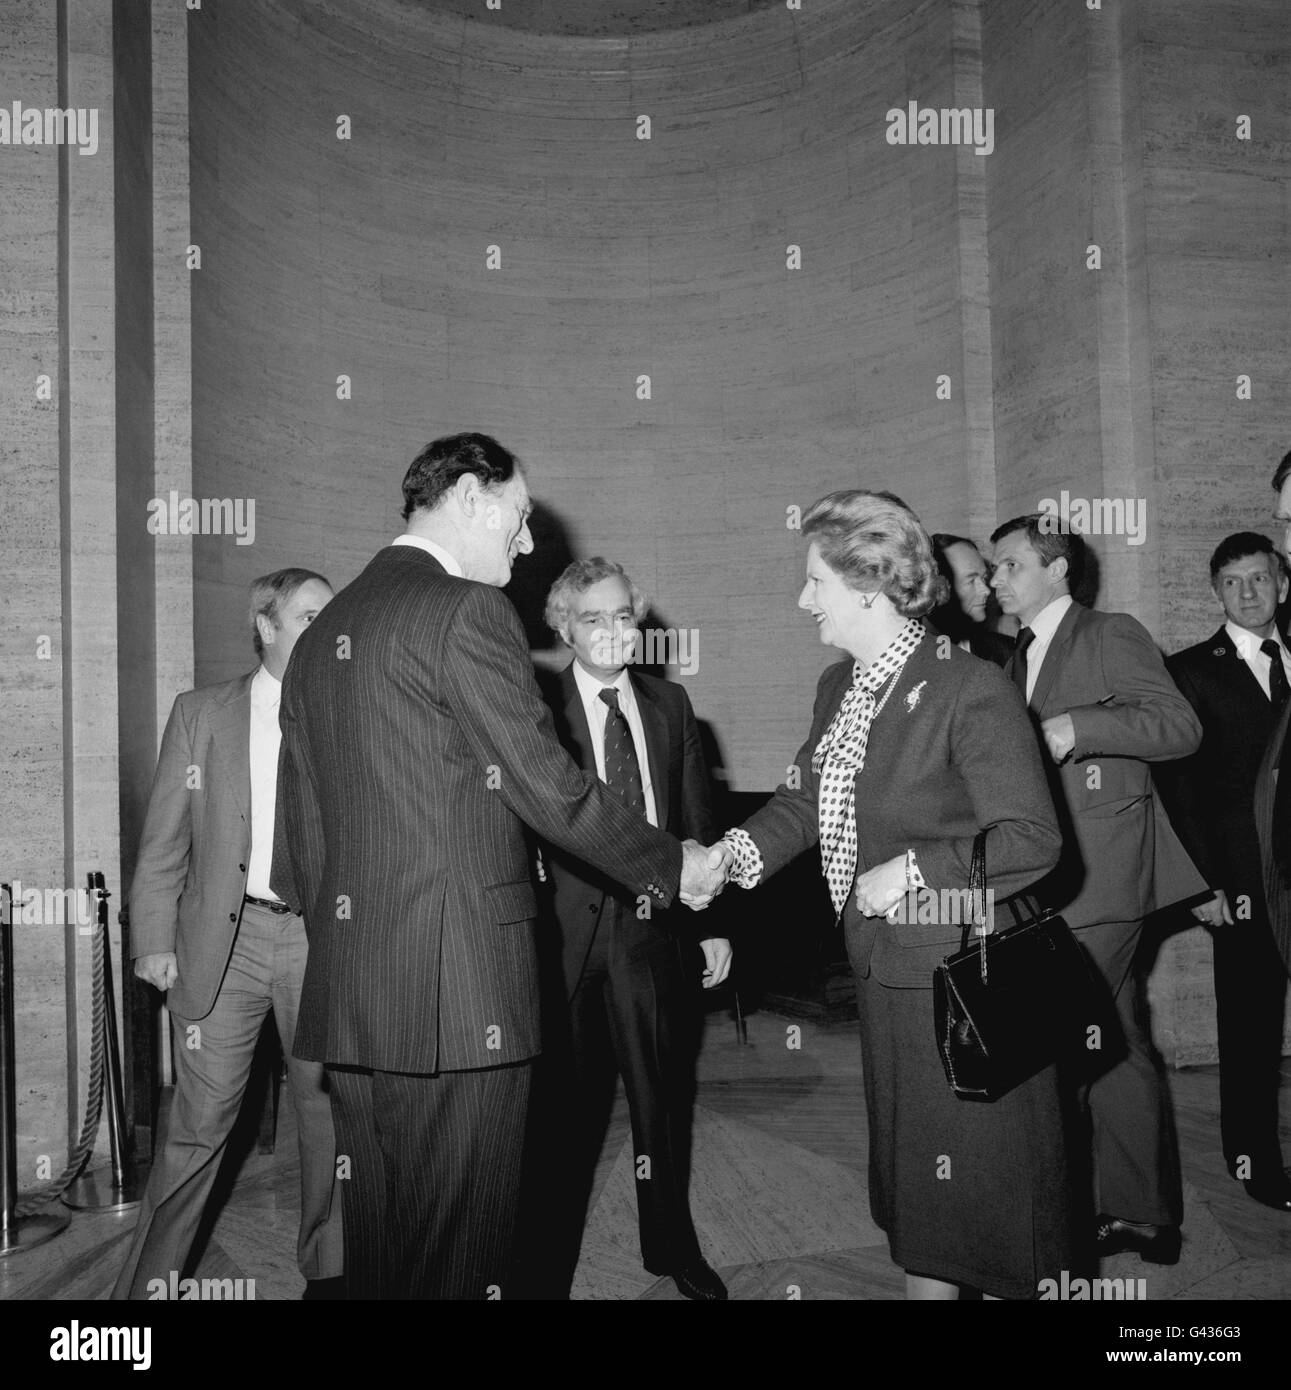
874	541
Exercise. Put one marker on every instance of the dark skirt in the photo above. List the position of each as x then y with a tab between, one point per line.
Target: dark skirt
968	1192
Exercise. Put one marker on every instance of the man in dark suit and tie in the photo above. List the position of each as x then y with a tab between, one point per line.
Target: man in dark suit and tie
1106	707
1272	791
1237	681
207	929
625	967
416	748
962	617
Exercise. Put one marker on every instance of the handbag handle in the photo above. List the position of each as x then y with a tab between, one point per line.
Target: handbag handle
1032	905
977	899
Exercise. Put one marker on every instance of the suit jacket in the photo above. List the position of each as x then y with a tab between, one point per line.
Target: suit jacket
983	641
990	645
415	749
1121	858
579	893
951	752
1210	795
191	874
1277	892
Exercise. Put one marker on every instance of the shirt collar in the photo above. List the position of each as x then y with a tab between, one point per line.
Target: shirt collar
448	561
589	688
266	689
1046	621
892	658
1247	643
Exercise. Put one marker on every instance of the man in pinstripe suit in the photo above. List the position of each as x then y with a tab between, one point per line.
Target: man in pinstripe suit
416	748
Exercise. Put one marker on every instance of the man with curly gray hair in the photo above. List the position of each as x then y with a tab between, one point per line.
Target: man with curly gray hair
626	969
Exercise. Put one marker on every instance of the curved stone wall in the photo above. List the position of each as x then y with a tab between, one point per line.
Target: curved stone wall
614	258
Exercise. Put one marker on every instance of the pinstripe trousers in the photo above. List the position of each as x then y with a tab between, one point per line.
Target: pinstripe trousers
434	1176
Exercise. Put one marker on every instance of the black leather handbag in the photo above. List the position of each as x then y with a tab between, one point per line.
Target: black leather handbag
1015	1000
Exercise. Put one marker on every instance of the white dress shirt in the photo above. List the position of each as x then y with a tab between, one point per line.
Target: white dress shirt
266	737
589	689
448	561
1248	648
1043	625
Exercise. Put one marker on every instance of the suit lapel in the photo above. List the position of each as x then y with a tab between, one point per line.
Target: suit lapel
1246	683
908	693
231	741
656	749
1055	656
576	719
652	721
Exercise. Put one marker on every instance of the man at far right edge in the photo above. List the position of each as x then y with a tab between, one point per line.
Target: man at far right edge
1098	690
1273	781
1237	681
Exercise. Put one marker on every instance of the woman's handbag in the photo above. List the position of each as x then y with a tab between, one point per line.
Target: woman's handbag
1014	1001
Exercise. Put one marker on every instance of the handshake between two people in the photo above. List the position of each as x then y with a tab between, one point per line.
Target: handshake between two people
704	872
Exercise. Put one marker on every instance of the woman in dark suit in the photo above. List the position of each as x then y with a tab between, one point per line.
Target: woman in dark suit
914	746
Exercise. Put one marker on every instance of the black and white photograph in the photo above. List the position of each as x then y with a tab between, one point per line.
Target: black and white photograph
645	659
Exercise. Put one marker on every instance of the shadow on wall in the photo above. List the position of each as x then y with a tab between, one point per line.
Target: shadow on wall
532	578
531	581
797	962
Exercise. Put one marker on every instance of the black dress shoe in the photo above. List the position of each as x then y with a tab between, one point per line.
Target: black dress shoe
324	1289
700	1282
1158	1245
1275	1194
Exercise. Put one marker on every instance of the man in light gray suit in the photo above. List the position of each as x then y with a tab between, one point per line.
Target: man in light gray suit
1105	708
208	931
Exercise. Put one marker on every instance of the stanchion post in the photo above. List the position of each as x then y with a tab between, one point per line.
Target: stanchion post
119	1138
120	1186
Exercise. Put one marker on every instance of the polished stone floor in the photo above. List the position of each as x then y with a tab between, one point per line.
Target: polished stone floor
778	1195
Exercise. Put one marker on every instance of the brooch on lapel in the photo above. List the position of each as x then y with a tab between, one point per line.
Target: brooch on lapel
1220	651
912	699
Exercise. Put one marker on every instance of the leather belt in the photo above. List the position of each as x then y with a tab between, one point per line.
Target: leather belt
278	908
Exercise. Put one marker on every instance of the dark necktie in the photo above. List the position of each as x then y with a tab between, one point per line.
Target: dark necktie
1025	638
622	770
1278	687
1278	691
